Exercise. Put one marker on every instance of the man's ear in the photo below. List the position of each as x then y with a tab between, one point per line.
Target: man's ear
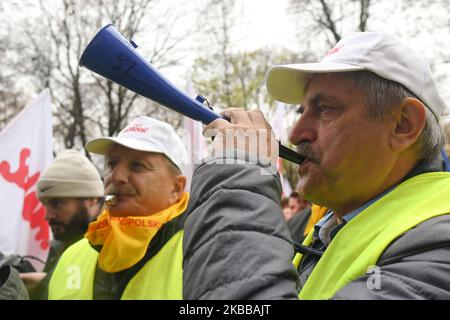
179	184
409	117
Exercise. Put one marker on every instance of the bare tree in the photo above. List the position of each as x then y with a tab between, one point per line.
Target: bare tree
247	71
322	23
330	19
218	23
11	102
86	104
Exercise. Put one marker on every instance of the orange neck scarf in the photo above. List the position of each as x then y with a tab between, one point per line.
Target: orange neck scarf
125	239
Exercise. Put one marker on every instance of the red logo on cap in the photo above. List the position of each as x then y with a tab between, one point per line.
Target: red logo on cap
334	50
137	128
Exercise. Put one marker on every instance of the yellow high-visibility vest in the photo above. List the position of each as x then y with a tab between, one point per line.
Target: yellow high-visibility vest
360	243
160	278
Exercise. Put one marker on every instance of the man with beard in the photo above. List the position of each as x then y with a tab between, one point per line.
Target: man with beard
134	248
71	191
368	128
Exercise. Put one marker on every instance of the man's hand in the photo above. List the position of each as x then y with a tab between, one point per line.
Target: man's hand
32	279
246	131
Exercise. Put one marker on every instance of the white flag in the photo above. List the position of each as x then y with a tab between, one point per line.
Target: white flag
277	124
25	151
193	139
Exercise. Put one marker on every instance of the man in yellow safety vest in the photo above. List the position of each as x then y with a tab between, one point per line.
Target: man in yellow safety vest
134	248
370	134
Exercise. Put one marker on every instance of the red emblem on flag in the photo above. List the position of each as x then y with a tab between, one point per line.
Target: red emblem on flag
32	211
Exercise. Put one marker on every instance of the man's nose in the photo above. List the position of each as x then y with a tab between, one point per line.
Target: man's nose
303	130
49	213
119	174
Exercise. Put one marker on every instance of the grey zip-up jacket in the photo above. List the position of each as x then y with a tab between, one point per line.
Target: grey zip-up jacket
237	246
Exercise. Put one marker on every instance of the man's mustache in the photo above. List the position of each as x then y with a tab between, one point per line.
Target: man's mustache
305	150
120	190
55	225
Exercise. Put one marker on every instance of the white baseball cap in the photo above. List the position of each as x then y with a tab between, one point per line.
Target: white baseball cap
372	51
145	134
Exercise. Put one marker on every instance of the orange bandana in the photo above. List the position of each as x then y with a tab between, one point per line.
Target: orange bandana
125	239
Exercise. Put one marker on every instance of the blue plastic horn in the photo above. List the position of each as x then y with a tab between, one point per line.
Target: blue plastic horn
110	55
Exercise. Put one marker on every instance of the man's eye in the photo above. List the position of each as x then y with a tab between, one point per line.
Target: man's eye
110	164
56	203
325	110
136	165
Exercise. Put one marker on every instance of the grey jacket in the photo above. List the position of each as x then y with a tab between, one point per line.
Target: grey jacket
11	286
237	246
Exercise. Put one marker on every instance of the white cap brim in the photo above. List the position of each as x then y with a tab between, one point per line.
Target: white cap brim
286	83
103	145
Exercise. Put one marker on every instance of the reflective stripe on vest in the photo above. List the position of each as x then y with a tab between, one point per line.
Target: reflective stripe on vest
160	278
360	243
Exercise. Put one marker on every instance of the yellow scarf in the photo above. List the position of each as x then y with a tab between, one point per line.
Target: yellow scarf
317	213
125	239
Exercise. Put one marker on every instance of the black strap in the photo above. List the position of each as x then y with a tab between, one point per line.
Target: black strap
307	250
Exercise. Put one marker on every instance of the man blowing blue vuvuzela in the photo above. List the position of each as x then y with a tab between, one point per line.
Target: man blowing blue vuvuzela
369	130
